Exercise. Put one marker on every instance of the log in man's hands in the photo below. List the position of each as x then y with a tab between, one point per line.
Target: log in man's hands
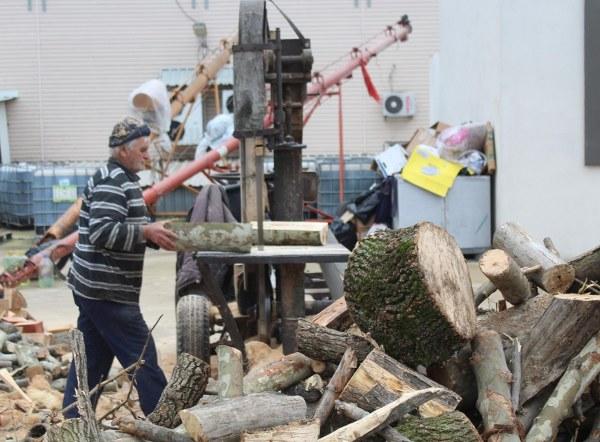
159	235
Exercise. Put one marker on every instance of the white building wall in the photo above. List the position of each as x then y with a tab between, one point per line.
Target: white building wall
75	64
519	64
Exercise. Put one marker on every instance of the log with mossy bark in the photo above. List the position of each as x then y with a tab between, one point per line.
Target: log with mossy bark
555	274
410	289
449	427
185	388
380	379
560	333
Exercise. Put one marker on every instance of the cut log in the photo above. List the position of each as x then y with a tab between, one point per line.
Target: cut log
185	388
229	417
304	431
483	292
555	275
383	416
355	413
278	375
325	344
587	265
410	289
562	331
337	383
335	316
506	275
212	237
292	233
518	321
148	431
450	427
582	370
493	384
380	379
231	371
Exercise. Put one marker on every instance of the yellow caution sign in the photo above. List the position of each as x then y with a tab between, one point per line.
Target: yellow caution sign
430	172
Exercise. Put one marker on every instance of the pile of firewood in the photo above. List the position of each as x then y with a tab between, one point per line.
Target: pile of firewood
405	355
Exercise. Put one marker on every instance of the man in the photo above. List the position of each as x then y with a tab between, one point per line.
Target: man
106	273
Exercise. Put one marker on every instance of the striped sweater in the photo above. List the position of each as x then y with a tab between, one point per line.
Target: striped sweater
109	256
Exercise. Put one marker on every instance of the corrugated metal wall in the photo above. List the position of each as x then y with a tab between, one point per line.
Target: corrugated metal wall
75	63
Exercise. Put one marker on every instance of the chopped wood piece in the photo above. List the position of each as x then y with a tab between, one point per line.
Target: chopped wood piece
355	413
185	388
149	431
337	383
483	292
380	379
449	427
335	316
493	384
231	371
304	431
506	275
515	387
292	233
278	375
410	289
229	417
587	265
555	276
383	416
582	370
325	344
565	327
518	321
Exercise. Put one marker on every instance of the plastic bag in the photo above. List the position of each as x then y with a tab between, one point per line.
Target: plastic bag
473	160
218	130
452	142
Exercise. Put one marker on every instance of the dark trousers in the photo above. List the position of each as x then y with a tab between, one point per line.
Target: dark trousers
115	329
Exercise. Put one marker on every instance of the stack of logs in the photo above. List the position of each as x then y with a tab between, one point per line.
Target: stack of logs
404	356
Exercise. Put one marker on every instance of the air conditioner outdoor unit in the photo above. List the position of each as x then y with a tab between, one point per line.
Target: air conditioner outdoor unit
398	104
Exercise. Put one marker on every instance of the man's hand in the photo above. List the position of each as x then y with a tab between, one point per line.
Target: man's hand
159	235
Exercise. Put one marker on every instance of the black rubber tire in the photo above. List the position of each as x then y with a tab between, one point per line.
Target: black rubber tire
193	326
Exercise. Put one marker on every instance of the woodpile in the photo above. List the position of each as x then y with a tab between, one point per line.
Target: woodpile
405	356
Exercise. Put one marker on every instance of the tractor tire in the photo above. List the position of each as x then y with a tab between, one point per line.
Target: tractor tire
193	326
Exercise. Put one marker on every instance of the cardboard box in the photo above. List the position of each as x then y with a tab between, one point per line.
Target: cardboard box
426	136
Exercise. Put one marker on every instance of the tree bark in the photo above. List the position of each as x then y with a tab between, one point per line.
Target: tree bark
231	371
380	380
185	388
555	275
213	237
325	344
230	417
72	430
506	275
562	331
493	384
278	375
292	233
305	431
335	316
382	416
148	431
410	288
355	413
337	383
587	265
582	370
449	427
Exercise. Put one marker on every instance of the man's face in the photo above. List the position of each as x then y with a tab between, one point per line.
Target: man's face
135	157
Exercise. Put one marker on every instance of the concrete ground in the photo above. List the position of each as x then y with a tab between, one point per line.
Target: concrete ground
55	305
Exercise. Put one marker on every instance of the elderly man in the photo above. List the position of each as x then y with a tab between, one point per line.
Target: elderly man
106	273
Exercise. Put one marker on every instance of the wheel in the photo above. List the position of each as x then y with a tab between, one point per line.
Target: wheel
193	326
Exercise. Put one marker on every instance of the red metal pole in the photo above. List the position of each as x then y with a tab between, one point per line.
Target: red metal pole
341	172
